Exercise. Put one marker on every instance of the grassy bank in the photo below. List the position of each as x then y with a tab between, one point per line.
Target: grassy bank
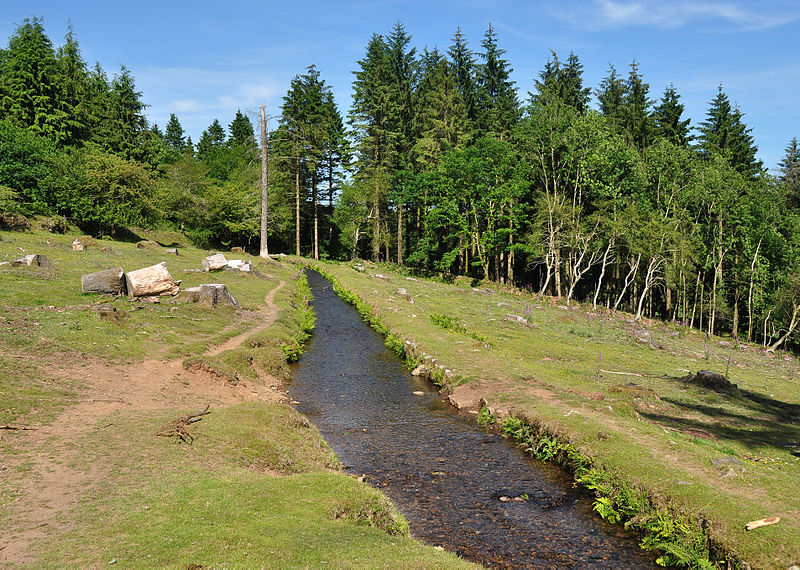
85	398
612	399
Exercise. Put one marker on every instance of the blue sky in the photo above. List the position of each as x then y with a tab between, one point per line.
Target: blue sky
202	60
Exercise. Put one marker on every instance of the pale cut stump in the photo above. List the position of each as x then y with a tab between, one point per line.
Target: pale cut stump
150	281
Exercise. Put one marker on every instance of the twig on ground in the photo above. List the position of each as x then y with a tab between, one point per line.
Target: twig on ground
179	428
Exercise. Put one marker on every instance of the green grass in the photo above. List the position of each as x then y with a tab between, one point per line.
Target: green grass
218	501
614	388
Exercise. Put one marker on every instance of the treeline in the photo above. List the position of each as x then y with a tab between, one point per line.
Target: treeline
438	165
76	144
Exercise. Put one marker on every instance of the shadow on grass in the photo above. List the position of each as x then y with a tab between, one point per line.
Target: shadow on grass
742	416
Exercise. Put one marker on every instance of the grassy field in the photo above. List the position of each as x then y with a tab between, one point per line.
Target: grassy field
85	478
605	387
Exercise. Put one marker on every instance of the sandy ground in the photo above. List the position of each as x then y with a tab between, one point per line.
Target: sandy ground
50	491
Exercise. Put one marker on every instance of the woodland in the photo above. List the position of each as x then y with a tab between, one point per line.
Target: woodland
606	196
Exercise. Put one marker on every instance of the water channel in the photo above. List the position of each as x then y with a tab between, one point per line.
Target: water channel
444	473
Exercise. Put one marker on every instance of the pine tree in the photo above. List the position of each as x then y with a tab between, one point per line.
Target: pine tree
564	81
497	105
29	90
789	168
373	116
667	117
126	120
636	118
611	96
463	61
74	87
174	135
241	130
724	132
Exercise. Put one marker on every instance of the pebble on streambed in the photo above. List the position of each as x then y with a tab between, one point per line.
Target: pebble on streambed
418	393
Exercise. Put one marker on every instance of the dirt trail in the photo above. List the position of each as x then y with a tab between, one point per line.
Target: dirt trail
50	490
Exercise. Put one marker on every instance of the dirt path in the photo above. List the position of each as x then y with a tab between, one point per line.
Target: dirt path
50	489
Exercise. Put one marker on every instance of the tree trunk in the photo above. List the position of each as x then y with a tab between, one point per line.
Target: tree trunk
602	273
790	330
400	234
316	215
297	209
750	292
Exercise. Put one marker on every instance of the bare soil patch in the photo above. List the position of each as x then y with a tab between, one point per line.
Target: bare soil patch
46	483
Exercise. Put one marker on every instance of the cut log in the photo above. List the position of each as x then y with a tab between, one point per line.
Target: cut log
214	262
752	525
36	260
210	295
111	281
153	280
171	251
78	246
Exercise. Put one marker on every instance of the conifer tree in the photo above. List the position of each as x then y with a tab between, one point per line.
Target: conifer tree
29	89
74	87
463	61
724	132
564	80
789	168
668	121
126	120
241	130
636	117
174	135
497	104
611	96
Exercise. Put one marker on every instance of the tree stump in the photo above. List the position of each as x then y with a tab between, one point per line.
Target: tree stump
149	281
240	265
210	295
37	260
171	251
111	281
214	262
78	246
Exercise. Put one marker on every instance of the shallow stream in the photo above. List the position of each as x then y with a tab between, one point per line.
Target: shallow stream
444	473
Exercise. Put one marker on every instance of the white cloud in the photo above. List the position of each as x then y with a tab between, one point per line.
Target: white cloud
609	14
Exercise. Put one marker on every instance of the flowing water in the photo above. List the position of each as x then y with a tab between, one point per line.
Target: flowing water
444	473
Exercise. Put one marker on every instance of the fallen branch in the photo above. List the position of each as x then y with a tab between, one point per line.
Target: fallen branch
17	428
622	373
179	428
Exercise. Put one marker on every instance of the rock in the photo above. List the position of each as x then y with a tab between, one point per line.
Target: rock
214	262
379	276
503	305
150	281
418	393
403	293
171	251
210	294
421	370
36	260
110	281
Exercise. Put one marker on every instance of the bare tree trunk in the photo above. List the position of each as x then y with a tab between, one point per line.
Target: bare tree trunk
631	276
790	330
649	278
750	292
602	273
316	216
511	252
264	251
400	234
297	209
